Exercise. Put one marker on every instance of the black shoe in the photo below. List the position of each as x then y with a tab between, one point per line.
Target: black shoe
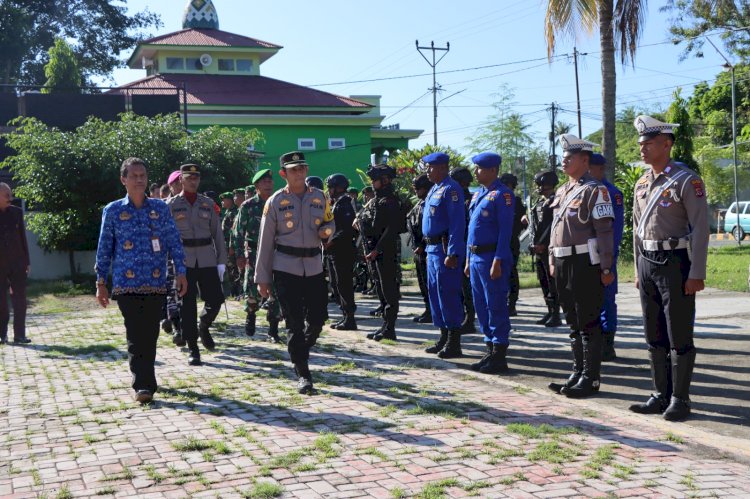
166	326
554	320
305	386
372	335
585	387
378	312
194	359
476	365
143	396
608	347
273	331
452	348
512	310
654	405
21	341
572	380
678	410
468	328
388	334
250	327
497	363
544	319
206	338
347	324
178	340
440	343
336	324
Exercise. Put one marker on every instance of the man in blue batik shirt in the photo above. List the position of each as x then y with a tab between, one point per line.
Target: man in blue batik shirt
597	166
443	226
137	237
490	260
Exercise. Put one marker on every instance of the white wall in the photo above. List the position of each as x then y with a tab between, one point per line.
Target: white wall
55	265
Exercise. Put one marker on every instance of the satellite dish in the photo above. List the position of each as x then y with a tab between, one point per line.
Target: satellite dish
206	60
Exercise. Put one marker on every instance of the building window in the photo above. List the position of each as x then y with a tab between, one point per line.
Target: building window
305	144
244	65
175	63
226	64
336	143
193	63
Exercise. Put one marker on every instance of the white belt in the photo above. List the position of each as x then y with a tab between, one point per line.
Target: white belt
663	245
570	250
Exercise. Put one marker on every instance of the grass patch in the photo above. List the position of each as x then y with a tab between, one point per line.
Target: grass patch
263	490
372	451
603	456
671	437
106	491
153	474
387	410
287	460
528	430
727	268
521	390
553	452
64	492
515	477
436	490
325	444
398	493
444	410
192	444
341	367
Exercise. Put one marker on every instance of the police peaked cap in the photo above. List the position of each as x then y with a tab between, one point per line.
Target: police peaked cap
436	158
487	160
190	169
292	159
259	175
571	143
649	127
377	171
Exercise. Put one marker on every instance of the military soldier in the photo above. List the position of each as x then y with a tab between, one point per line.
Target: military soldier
489	260
245	239
541	224
381	237
340	247
205	259
313	181
236	274
421	186
444	224
364	223
511	182
670	241
249	191
580	256
464	178
295	221
609	310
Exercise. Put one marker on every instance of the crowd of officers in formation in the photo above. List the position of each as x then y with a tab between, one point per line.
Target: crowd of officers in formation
277	247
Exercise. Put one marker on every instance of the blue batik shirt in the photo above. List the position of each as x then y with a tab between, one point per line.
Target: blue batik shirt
136	243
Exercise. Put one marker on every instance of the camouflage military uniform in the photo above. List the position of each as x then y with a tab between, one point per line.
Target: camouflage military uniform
227	223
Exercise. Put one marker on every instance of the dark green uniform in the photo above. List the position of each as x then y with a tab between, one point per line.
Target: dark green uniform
227	221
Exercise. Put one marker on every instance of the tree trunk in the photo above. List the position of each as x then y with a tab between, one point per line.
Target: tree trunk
609	85
72	263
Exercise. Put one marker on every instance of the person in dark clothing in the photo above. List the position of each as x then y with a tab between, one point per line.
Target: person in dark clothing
421	185
340	247
381	244
511	182
14	267
464	178
541	225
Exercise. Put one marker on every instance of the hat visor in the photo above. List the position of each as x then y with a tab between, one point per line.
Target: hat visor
648	136
292	164
192	173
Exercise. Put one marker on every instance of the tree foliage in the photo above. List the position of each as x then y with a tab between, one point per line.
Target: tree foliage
99	30
683	144
68	177
407	164
62	70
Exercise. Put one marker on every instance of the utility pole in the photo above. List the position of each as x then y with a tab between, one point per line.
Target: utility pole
434	88
553	148
578	93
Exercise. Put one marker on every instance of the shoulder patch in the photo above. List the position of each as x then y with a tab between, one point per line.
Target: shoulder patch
618	199
284	202
698	187
604	193
508	198
454	196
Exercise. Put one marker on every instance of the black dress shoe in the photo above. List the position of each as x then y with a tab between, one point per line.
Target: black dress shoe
20	341
678	410
178	340
194	359
305	386
166	326
206	338
385	335
654	405
143	396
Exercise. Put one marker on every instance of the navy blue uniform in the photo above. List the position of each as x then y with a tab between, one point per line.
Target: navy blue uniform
490	230
609	309
443	226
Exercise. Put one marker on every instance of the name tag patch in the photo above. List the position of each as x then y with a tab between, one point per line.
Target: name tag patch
604	210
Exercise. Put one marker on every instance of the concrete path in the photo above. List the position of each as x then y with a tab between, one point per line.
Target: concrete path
389	420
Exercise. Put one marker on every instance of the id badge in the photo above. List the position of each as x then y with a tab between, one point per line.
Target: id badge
155	244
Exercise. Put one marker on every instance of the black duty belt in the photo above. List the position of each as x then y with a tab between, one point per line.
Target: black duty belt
435	240
300	252
484	248
194	243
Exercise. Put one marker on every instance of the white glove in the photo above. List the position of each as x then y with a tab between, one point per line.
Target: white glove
221	268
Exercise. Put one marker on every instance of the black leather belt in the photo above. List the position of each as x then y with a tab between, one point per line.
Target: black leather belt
484	248
435	240
300	252
194	243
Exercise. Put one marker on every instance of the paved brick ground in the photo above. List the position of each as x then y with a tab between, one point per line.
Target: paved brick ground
388	421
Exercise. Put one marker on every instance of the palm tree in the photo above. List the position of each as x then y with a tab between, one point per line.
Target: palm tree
620	27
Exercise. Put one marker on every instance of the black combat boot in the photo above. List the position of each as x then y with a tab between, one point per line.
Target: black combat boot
336	324
589	382
476	365
178	339
682	374
608	346
452	348
512	309
554	319
250	325
576	346
378	312
205	336
497	363
166	325
440	343
425	318
304	378
468	327
194	359
273	331
387	333
347	324
659	400
545	317
373	334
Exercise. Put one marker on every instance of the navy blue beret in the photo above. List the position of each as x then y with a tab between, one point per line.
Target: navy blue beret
436	158
597	159
487	160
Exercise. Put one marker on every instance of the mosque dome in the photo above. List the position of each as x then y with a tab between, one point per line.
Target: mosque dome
200	14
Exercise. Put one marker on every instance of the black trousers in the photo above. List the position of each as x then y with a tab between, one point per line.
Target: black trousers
515	284
342	278
386	266
581	292
14	278
304	303
205	280
668	313
142	314
420	265
541	264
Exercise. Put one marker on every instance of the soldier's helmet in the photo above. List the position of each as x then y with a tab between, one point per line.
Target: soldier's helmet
422	182
462	175
546	178
375	172
509	179
337	180
316	182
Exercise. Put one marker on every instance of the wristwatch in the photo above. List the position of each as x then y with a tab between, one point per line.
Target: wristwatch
606	271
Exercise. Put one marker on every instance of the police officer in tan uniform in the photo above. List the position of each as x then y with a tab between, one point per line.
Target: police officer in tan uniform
205	259
295	221
670	242
581	255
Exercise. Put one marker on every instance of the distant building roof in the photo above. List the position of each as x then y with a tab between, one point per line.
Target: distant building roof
208	38
252	91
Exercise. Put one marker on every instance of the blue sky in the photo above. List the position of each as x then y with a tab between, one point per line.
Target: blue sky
342	42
